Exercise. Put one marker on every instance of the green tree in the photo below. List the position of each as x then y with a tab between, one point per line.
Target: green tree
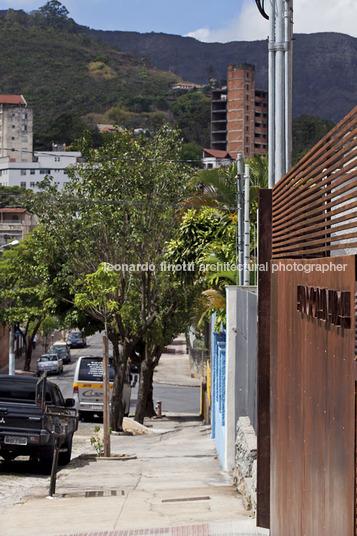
307	131
66	128
54	12
26	288
192	113
120	209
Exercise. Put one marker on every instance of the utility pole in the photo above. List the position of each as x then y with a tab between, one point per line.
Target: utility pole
12	349
106	387
280	86
239	178
246	280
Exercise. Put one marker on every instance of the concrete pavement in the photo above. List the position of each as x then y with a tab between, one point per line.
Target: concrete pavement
166	482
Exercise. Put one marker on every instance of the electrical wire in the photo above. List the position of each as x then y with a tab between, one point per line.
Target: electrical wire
260	6
129	159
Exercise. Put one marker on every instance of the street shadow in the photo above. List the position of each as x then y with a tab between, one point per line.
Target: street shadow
23	467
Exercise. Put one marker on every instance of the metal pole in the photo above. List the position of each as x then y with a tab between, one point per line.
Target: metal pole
106	433
240	216
54	466
246	225
288	17
271	98
280	93
12	349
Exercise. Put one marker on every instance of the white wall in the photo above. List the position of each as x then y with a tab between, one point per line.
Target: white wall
29	173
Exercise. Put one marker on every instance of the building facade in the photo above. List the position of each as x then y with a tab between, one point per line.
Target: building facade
29	174
15	224
239	114
16	128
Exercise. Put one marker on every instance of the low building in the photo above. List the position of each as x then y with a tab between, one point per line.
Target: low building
28	174
15	223
213	158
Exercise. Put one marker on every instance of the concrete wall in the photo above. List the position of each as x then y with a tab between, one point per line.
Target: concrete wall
241	364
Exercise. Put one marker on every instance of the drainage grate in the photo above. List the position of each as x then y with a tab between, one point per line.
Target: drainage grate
185	499
93	493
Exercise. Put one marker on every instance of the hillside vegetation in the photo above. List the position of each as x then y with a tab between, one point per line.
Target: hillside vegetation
324	73
60	70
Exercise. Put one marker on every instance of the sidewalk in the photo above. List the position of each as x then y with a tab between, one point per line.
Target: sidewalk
166	481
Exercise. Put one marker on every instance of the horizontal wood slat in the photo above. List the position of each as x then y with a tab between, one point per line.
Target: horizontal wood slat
315	204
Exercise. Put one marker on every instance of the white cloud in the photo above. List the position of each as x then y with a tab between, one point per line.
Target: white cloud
309	16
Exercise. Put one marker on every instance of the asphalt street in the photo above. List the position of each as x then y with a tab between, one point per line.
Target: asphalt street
174	398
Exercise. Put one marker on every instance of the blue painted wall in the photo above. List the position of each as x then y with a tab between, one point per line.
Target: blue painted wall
218	367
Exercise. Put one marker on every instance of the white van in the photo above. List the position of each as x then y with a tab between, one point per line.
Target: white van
88	386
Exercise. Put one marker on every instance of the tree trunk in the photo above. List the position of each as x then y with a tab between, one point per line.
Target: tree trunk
29	347
145	386
120	362
150	408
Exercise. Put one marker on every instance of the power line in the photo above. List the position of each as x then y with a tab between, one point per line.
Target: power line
129	159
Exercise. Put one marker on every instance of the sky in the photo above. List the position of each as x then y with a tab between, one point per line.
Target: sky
206	20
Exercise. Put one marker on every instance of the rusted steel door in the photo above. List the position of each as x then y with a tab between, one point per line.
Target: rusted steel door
313	453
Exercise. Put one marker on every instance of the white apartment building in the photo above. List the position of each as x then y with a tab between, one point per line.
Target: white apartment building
28	174
16	128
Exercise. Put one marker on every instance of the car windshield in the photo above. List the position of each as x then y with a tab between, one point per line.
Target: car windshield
44	358
76	335
58	350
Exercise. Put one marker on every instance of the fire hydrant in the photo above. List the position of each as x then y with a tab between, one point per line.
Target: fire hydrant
158	409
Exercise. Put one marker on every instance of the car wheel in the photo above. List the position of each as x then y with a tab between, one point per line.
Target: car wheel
45	457
8	456
65	457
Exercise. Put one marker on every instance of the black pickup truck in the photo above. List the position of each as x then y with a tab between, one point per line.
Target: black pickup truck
22	421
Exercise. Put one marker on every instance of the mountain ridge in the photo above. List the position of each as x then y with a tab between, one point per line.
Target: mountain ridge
324	64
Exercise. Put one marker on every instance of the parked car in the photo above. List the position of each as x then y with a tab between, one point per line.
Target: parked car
63	350
88	386
50	363
22	421
76	339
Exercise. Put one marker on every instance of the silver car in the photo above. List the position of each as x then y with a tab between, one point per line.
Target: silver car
50	363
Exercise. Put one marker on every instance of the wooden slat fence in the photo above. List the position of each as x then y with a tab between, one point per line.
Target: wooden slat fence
315	204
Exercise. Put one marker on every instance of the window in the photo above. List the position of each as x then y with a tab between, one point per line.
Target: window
13	126
45	171
24	139
12	137
57	158
23	184
24	128
32	184
32	171
23	172
24	116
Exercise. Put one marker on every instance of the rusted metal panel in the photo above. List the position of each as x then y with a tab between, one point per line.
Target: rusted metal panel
263	403
313	455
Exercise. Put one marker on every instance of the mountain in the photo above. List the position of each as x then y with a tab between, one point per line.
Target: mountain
324	64
60	70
